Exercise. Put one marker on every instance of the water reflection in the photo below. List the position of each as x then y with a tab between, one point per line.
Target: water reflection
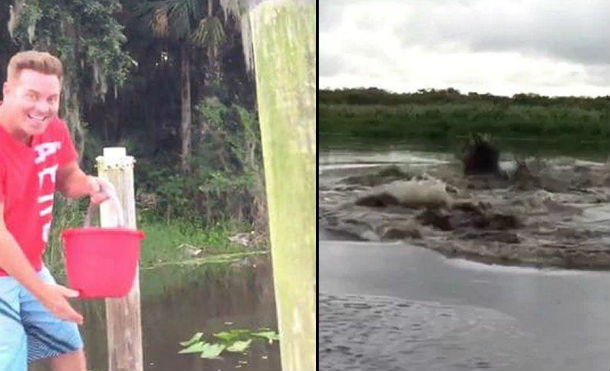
561	316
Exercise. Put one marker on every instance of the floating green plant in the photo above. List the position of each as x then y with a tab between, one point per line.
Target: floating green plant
235	340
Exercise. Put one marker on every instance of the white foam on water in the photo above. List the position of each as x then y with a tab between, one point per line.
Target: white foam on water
323	168
371	244
391	157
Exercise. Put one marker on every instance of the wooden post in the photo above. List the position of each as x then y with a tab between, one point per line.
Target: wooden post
284	45
123	319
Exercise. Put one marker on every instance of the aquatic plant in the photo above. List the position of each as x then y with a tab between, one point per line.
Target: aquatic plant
234	340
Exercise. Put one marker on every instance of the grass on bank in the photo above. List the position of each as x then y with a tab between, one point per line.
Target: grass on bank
451	120
166	243
184	243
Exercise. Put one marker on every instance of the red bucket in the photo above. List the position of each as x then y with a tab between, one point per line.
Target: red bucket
102	262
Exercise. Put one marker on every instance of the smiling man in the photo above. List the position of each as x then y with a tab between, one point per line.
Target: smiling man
37	157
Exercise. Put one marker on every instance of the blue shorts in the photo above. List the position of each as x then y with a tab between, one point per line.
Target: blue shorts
28	330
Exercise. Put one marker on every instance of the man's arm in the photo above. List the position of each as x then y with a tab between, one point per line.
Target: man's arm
14	262
72	182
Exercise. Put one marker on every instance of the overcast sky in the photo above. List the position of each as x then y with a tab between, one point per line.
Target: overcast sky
503	47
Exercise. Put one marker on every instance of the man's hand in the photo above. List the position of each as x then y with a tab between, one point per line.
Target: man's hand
54	298
99	189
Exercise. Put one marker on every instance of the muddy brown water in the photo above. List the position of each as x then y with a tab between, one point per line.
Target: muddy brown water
177	302
553	215
393	306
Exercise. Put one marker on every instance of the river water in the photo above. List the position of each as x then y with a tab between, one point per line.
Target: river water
392	306
178	301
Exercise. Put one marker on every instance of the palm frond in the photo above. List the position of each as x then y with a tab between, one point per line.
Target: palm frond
233	7
146	8
175	18
178	17
210	32
159	22
183	16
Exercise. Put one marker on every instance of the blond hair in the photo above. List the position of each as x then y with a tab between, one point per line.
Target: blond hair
33	60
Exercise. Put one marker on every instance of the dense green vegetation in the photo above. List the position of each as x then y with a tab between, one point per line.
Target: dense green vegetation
169	81
448	115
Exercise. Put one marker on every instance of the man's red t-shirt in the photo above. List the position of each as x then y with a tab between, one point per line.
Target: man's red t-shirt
27	185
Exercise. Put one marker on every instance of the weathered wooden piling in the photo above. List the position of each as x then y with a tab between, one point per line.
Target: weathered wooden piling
123	317
284	45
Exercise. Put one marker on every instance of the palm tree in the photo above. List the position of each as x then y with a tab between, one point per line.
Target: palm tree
189	24
209	35
175	20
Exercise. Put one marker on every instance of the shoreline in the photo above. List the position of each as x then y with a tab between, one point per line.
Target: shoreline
452	253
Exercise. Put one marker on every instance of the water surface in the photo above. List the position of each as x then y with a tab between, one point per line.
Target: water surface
180	301
393	306
562	316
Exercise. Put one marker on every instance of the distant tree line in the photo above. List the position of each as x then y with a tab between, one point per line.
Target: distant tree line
373	96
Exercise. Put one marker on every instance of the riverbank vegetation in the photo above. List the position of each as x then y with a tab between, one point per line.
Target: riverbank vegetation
448	116
176	242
